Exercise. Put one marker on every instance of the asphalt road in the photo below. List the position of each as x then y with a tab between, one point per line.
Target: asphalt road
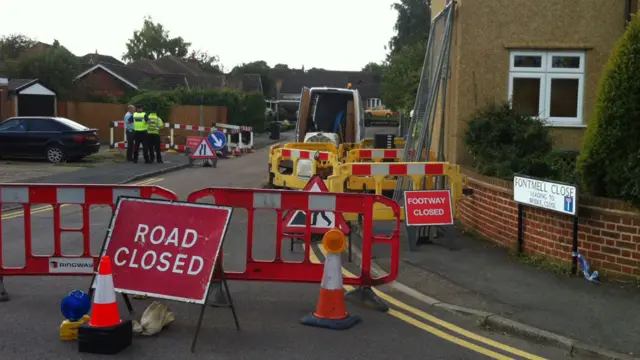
268	312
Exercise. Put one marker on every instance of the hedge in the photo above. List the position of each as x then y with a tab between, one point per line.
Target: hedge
609	164
242	109
503	142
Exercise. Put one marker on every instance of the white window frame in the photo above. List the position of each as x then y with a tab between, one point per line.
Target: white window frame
546	74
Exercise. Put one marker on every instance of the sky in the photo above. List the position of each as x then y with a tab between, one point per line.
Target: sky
329	34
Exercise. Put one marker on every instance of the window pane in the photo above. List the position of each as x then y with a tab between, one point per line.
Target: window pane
565	62
43	125
526	96
11	125
527	61
564	98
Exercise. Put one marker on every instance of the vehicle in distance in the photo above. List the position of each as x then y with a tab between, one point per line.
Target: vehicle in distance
379	111
53	138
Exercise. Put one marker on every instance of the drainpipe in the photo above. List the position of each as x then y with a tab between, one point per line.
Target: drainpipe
628	12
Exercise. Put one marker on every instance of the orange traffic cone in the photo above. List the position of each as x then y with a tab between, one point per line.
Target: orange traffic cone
105	308
331	311
106	333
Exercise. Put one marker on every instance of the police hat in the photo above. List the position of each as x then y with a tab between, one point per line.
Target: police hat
139	106
154	107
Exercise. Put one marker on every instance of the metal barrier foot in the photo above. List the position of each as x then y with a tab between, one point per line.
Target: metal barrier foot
217	295
4	295
366	298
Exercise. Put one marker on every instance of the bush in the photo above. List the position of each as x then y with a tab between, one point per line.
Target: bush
242	109
503	142
610	162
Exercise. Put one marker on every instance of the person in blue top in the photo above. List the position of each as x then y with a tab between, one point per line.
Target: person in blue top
129	131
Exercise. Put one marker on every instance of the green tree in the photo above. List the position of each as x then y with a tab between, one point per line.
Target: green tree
401	77
153	42
261	68
11	46
610	161
412	24
281	67
208	63
55	68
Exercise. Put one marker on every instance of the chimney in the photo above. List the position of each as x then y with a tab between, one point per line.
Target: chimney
4	98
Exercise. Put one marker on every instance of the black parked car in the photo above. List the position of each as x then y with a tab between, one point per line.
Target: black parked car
54	138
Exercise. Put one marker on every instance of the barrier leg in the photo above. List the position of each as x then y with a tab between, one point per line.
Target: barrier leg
4	295
217	295
251	141
364	297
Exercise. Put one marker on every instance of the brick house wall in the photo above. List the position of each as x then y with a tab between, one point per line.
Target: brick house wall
100	82
608	235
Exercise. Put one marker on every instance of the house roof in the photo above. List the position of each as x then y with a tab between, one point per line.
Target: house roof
19	84
30	86
95	58
294	81
195	76
136	78
249	83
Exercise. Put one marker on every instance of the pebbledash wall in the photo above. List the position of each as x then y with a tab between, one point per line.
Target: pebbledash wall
609	236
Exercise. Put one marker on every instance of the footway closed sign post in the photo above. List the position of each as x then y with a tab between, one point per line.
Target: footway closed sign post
549	195
426	208
167	250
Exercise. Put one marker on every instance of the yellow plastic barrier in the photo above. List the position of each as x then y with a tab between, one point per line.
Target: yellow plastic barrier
417	172
376	156
328	147
304	164
368	143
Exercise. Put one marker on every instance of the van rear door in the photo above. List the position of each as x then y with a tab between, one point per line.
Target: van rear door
303	114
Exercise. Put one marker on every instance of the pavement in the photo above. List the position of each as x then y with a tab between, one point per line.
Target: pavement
268	312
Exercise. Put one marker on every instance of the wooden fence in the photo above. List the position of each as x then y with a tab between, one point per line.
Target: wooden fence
100	115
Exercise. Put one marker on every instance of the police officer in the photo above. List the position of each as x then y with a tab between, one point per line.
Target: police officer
140	119
155	126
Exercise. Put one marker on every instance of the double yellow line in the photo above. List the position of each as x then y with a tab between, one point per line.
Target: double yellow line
425	319
43	208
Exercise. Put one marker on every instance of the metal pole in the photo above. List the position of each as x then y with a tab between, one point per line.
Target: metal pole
201	113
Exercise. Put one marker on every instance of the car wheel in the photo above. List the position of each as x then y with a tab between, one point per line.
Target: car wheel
367	122
388	116
55	154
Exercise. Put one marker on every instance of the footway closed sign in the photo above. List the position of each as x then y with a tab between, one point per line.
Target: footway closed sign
428	207
165	249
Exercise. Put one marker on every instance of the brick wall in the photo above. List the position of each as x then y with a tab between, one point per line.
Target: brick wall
608	232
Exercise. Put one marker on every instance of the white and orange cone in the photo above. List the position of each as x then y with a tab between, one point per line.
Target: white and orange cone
105	307
106	333
331	311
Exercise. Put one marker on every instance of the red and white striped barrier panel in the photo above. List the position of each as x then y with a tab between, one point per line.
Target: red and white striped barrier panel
370	169
123	144
380	153
59	196
305	154
283	201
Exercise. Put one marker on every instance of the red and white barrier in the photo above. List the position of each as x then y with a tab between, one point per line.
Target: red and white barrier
234	148
123	144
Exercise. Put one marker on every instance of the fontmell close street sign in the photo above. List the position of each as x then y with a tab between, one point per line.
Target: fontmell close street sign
165	249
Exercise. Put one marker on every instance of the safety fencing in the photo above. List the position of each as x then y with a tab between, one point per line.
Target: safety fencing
123	144
58	196
284	201
373	176
360	206
239	138
303	164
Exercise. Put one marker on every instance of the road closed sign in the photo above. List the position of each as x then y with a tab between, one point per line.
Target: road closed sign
428	207
165	249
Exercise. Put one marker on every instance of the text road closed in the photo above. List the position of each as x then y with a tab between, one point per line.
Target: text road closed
428	207
166	250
